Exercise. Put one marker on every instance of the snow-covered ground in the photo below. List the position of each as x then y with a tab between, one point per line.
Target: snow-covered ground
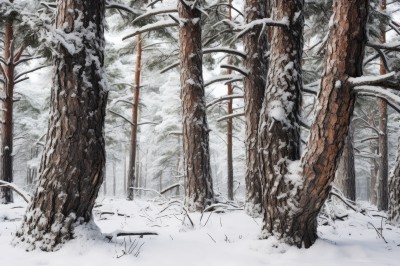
217	239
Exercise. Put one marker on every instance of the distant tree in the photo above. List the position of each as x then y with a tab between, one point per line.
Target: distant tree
72	165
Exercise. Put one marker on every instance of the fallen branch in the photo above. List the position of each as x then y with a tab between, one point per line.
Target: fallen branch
122	233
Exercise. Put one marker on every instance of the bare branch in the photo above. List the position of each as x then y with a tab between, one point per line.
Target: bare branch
27	72
224	98
153	26
19	191
371	80
229	116
154	12
235	68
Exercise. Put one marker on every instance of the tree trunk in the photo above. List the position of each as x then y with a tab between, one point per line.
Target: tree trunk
373	192
199	188
279	133
73	161
114	179
345	178
394	195
6	123
135	108
254	86
345	52
383	137
229	125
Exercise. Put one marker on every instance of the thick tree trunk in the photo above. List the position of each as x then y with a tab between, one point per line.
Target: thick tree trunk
345	178
254	86
279	133
345	52
6	123
135	109
383	137
199	188
73	161
394	195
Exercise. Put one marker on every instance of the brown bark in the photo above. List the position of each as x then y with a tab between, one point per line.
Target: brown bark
345	177
279	133
256	48
197	170
345	52
394	195
6	123
135	109
383	138
73	160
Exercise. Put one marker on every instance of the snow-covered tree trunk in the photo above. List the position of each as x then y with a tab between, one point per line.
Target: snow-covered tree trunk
6	123
383	136
279	133
256	46
343	59
72	166
135	108
345	177
197	170
394	192
294	196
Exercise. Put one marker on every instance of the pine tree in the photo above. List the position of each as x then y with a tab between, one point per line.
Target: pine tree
72	165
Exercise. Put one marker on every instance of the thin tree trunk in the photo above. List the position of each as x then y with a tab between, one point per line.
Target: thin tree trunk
383	137
114	179
373	195
345	52
132	156
279	133
229	125
73	160
256	48
6	123
345	178
199	188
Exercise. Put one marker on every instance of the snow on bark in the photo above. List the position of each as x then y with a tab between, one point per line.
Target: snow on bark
256	47
198	182
72	165
279	132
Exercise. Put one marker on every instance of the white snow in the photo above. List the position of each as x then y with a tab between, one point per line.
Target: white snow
216	239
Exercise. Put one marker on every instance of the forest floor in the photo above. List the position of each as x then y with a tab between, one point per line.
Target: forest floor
229	238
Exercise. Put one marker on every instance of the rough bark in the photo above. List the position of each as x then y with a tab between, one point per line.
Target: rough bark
345	178
135	109
293	198
345	52
6	123
383	137
394	195
255	42
73	161
279	133
197	170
